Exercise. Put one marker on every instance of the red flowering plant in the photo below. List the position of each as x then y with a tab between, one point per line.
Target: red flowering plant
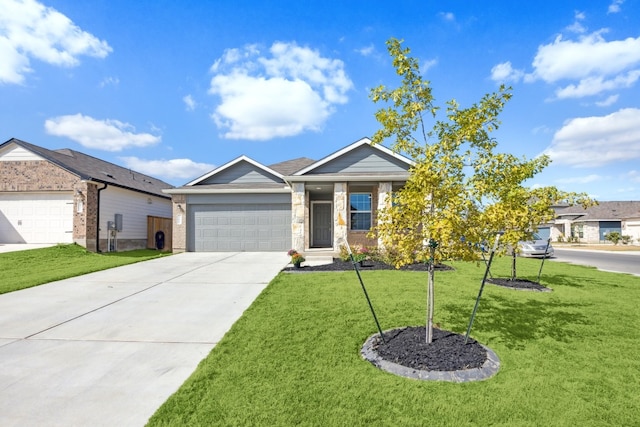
296	258
361	253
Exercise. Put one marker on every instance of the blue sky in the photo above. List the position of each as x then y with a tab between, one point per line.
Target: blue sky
175	88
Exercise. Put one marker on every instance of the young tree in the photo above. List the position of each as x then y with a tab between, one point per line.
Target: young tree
519	211
460	191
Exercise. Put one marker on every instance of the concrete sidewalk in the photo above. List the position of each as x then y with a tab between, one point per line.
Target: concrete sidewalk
108	348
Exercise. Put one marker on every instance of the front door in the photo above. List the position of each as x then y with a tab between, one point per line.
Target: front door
321	236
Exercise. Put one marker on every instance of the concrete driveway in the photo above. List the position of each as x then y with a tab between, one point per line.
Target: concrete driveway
108	348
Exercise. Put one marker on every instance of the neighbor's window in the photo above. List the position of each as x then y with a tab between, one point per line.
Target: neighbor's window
360	211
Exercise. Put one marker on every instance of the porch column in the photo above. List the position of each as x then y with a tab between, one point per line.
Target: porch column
297	216
385	192
340	214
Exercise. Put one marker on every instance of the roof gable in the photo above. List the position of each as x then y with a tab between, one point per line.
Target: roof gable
608	210
359	158
92	169
16	153
242	170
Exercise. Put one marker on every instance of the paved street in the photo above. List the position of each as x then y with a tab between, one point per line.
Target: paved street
621	262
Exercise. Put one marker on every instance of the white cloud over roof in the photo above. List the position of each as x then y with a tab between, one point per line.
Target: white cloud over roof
597	140
107	135
285	92
30	30
168	169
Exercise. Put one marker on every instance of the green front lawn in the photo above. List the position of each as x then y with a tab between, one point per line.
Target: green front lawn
568	358
24	269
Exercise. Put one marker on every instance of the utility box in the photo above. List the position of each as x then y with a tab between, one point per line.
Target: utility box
118	219
111	225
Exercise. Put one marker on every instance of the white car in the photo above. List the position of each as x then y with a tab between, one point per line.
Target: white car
535	248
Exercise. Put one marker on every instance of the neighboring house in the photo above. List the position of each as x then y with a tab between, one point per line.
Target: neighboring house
300	204
64	196
592	225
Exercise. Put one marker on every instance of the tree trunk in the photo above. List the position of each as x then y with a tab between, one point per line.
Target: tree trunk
513	266
430	297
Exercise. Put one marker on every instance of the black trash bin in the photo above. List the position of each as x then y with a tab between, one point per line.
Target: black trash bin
160	240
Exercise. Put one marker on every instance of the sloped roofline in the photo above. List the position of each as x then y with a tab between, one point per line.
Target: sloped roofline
351	147
52	157
232	163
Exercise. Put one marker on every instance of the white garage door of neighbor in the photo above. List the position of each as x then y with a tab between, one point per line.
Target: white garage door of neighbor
36	218
240	227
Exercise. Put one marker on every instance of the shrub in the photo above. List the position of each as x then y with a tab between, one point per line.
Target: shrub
614	237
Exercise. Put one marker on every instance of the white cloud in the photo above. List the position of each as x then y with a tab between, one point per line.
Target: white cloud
597	141
114	81
290	91
598	65
580	179
447	16
597	84
609	101
189	102
614	7
577	26
428	64
169	169
30	30
504	72
542	129
633	176
366	51
107	135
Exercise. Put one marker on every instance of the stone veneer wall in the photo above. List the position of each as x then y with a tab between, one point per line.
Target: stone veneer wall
298	219
34	176
179	232
85	220
385	192
340	214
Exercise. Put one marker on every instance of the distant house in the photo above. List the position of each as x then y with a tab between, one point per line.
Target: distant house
302	204
64	196
592	225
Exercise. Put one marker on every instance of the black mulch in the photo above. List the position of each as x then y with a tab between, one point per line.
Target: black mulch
446	352
339	265
522	284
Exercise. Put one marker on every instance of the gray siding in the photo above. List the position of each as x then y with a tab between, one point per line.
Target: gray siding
241	173
218	199
363	159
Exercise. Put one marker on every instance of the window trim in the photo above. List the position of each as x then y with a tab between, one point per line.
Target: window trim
370	211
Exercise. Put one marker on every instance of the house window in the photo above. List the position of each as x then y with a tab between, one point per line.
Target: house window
360	211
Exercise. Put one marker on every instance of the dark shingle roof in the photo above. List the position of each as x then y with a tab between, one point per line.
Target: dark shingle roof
614	210
94	169
290	166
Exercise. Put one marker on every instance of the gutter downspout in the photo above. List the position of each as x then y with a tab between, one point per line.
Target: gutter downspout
98	219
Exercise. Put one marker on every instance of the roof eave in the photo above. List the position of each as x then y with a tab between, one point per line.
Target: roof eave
347	178
226	190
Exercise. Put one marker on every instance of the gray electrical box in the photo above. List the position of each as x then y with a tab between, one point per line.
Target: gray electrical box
118	219
111	225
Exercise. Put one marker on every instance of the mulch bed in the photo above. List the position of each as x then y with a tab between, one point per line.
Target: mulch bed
446	352
519	284
339	265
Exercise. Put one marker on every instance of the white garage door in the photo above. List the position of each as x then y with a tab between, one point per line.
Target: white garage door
240	227
36	218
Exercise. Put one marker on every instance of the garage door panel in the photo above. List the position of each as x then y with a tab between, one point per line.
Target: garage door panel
240	227
36	218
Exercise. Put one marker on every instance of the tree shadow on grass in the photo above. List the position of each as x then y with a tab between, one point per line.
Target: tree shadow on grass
575	281
518	322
